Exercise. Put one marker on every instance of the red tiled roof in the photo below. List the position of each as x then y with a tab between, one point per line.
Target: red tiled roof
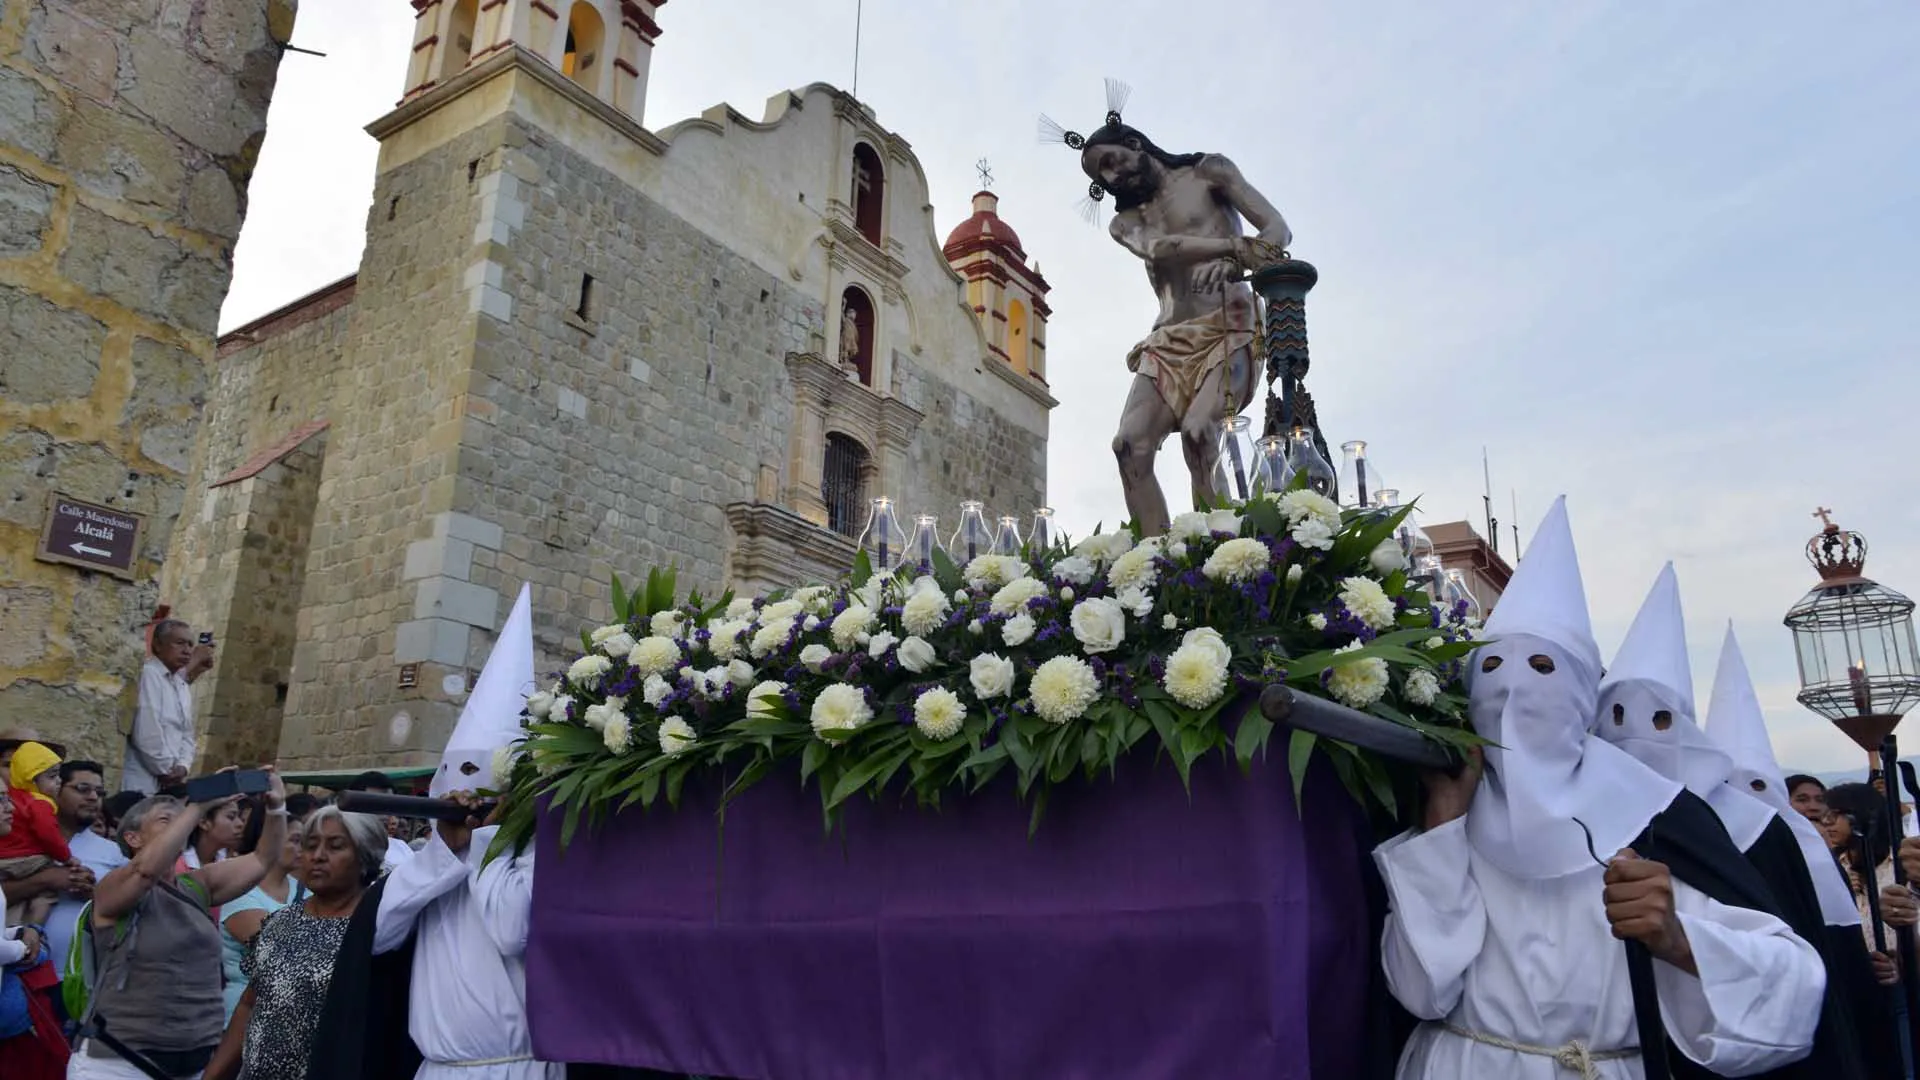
271	454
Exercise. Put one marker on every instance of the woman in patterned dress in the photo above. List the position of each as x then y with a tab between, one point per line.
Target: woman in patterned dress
292	958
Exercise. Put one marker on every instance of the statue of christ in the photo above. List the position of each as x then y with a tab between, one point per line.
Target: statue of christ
1181	214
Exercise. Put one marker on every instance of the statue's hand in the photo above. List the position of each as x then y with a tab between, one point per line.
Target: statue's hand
1253	252
1211	277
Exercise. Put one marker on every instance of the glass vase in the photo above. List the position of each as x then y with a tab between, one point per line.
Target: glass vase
884	541
1040	533
1270	456
973	538
1360	479
924	542
1234	476
1006	536
1304	457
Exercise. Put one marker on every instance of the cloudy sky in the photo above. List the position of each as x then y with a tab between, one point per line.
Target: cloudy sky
1661	258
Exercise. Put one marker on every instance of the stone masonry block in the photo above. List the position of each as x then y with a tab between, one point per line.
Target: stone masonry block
25	615
143	271
469	528
492	302
51	354
436	641
572	402
441	556
79	53
460	601
119	156
194	99
30	116
25	207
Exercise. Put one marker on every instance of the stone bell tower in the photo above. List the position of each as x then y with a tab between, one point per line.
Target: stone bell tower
605	46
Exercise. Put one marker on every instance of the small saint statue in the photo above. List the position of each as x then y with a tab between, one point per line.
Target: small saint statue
849	340
1181	215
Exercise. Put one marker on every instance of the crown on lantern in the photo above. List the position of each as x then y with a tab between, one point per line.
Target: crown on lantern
1836	553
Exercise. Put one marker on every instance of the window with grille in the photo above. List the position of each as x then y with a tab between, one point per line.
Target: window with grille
842	483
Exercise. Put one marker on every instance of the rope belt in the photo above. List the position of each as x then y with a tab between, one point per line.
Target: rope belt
1575	1056
515	1060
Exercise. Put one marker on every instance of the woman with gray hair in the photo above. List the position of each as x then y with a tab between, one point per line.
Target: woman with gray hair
291	964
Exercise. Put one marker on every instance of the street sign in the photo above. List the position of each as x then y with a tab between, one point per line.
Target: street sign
91	536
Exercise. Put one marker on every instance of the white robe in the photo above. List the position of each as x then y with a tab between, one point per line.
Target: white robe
1534	961
469	979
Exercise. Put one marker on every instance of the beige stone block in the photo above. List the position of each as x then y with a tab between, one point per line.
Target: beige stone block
30	116
164	378
194	99
213	203
52	354
121	156
26	209
26	618
78	52
231	30
143	271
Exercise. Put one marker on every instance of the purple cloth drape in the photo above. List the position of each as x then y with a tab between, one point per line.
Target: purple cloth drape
1140	934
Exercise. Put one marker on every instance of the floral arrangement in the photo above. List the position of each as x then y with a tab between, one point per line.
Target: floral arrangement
938	679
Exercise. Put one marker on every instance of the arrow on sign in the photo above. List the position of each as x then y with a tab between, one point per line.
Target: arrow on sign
85	550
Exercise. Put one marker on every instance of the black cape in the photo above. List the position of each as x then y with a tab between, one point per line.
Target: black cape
362	1034
1689	838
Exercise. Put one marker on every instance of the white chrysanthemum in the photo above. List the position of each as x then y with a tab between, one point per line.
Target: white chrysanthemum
655	690
924	611
676	736
1011	598
1196	675
561	705
1295	573
671	623
597	716
1238	560
765	698
617	645
724	639
587	670
601	634
1317	621
1368	602
771	637
740	673
993	571
618	734
1223	521
1062	688
1386	558
1137	601
654	655
840	707
1074	569
1209	639
991	676
1105	547
539	703
849	625
1422	687
813	656
1135	569
1358	683
503	762
916	654
1313	533
1169	621
1017	630
1189	526
880	643
780	609
1099	624
938	713
1177	549
1304	505
741	607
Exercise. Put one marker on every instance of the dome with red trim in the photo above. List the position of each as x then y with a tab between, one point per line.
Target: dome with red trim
984	230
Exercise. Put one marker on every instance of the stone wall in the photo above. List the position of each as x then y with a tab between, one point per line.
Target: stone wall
128	131
966	449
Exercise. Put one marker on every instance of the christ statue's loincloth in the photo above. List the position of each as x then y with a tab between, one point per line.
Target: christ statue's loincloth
1179	357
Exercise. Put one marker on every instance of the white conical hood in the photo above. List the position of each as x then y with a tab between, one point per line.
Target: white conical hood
1654	651
491	720
1736	722
1546	598
1531	692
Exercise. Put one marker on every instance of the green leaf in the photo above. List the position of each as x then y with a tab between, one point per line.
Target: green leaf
1378	783
1251	737
1299	754
814	756
621	609
862	571
859	775
1039	809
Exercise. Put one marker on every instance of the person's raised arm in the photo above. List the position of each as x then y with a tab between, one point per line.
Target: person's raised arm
434	871
120	892
1269	226
230	879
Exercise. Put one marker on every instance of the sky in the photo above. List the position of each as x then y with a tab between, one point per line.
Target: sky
1657	258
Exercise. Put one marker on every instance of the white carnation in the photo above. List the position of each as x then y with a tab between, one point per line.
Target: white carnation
669	624
1238	561
1074	569
559	710
976	627
1017	630
1099	624
539	703
781	609
1105	547
1137	601
676	736
618	734
655	690
1062	688
811	624
813	656
740	673
840	707
1386	558
1304	505
993	571
878	644
654	655
1313	533
763	699
598	716
1317	621
740	608
1177	549
1169	621
1196	675
1224	521
1368	602
724	638
1012	597
1189	526
1358	683
771	637
815	598
601	634
617	645
849	625
938	713
1422	687
1295	573
587	670
924	611
991	676
869	595
503	761
1135	569
916	655
1208	639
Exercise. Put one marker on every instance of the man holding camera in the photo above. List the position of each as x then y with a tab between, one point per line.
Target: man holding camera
161	745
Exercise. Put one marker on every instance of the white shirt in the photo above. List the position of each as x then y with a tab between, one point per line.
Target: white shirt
1535	962
163	733
12	949
98	854
398	851
469	978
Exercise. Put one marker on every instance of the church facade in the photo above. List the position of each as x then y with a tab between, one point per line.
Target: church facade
577	348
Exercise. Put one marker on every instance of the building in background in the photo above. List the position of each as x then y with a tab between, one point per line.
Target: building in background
1461	548
576	347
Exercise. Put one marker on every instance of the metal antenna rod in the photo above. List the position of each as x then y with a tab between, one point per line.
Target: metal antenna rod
858	10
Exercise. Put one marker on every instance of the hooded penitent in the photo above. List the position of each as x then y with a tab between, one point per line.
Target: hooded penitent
1532	692
491	720
1736	723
